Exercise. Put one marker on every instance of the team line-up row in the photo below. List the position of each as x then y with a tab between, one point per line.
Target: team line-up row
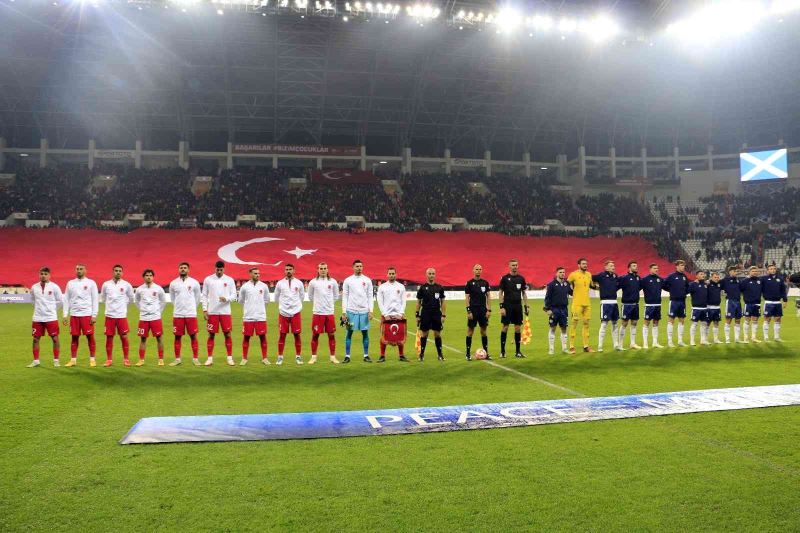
81	298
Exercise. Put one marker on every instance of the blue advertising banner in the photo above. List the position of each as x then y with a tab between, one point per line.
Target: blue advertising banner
282	426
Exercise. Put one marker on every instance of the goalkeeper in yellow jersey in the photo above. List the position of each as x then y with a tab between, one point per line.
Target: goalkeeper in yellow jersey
580	280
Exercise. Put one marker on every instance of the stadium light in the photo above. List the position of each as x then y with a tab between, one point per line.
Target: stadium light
345	19
542	23
784	6
507	20
461	15
567	25
600	28
723	19
220	12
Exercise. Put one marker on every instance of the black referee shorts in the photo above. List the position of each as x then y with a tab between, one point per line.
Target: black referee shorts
513	314
430	320
478	317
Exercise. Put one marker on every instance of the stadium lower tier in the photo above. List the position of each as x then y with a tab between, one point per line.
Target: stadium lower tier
452	254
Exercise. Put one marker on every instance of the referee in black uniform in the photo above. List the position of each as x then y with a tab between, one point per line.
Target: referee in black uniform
511	293
478	309
430	297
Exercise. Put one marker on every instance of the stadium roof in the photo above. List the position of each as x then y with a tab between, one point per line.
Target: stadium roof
211	73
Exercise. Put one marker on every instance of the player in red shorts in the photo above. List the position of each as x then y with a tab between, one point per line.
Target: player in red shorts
323	291
116	293
254	295
151	301
47	298
80	312
219	291
289	293
184	293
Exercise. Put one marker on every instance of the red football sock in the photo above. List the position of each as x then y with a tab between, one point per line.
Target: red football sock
177	346
229	345
36	352
263	346
297	345
126	348
109	347
245	346
281	343
400	348
383	349
92	345
314	344
195	348
74	346
332	344
210	346
141	352
161	352
56	353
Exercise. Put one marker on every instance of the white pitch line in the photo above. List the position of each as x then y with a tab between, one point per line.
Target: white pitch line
517	372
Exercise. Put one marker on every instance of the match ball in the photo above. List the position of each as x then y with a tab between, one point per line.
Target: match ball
480	353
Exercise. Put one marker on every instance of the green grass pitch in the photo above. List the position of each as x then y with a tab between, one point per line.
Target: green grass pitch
61	468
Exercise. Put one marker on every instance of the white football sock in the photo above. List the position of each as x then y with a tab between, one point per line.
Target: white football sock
716	332
655	334
621	336
564	341
670	326
776	329
728	332
754	330
633	334
703	332
551	339
765	328
692	330
745	330
646	334
680	332
602	335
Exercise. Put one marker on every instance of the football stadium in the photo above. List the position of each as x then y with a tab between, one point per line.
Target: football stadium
306	265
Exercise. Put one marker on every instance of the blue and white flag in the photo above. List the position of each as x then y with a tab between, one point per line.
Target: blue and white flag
767	165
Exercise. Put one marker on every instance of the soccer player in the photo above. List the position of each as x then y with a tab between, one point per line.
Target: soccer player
512	293
751	292
219	290
357	305
289	293
776	294
651	288
733	305
184	293
117	293
581	282
80	312
556	300
714	302
698	290
630	284
151	301
430	298
392	304
677	285
479	309
606	281
323	291
254	296
47	298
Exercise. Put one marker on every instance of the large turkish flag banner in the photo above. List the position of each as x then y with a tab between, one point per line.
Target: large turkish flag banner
453	254
343	177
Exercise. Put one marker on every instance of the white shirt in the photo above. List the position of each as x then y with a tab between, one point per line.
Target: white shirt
151	301
185	296
46	301
80	298
116	296
324	293
253	297
215	287
392	298
357	294
289	295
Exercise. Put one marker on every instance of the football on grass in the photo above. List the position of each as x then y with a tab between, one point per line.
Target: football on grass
480	353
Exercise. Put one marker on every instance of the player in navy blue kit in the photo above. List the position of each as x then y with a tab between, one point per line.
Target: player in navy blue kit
556	300
629	284
606	282
651	288
678	286
776	294
714	303
751	293
733	304
698	290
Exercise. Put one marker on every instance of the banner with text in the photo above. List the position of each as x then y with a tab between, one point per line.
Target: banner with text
297	149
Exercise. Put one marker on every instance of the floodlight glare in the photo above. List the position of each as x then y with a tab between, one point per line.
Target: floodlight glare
567	25
542	23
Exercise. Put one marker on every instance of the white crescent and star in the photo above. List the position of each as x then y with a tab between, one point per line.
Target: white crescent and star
228	252
394	328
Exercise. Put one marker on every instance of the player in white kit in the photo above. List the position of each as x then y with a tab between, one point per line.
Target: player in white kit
289	293
151	301
80	312
254	296
47	298
117	294
392	304
323	291
219	290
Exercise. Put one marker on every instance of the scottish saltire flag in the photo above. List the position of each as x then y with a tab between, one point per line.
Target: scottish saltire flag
767	165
